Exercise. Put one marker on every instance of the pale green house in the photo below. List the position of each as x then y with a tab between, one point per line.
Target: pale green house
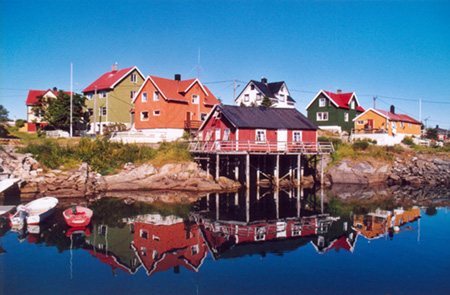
109	98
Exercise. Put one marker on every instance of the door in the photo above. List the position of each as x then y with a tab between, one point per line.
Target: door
282	137
370	124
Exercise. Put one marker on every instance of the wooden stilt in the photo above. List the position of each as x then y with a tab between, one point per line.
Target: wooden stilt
217	206
277	172
236	171
247	170
321	170
299	169
217	166
258	175
247	204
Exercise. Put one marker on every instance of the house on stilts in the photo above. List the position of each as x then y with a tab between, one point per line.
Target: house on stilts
275	142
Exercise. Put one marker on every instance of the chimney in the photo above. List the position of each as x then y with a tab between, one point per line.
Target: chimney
177	77
264	80
392	109
339	91
55	89
114	67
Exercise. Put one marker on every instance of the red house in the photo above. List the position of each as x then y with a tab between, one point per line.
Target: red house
166	108
254	128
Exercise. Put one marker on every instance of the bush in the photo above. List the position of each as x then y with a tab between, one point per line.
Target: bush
337	142
20	123
360	145
408	141
109	129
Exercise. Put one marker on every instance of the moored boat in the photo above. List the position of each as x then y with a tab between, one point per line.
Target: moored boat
77	216
35	211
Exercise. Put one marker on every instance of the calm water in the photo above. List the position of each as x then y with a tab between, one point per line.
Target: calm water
256	243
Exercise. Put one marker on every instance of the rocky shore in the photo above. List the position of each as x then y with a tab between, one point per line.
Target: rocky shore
84	182
417	170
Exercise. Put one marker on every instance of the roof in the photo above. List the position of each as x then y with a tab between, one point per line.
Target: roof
392	116
340	100
176	89
262	117
270	89
32	98
109	79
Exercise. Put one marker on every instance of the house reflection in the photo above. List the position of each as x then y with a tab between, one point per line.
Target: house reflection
162	243
379	223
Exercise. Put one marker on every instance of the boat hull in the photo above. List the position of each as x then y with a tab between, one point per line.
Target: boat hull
34	212
77	216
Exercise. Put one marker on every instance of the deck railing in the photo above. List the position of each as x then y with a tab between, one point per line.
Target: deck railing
297	147
369	131
192	124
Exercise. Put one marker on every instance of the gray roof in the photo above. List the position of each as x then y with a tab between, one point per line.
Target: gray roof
266	118
269	89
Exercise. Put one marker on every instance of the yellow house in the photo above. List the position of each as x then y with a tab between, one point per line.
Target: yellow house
386	127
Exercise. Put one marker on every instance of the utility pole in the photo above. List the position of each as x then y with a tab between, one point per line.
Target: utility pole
234	90
95	111
71	98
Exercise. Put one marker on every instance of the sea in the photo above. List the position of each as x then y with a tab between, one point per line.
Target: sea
254	241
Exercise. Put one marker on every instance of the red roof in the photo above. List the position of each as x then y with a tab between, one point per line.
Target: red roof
342	99
397	117
107	80
33	95
174	89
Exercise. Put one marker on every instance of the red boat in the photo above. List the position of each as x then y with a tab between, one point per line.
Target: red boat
77	216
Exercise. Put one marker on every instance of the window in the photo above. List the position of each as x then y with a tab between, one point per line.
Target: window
360	122
195	99
144	97
156	96
352	105
90	112
208	135
282	98
259	97
155	254
144	234
409	125
133	78
103	94
156	112
217	135
143	251
102	111
226	134
203	116
246	98
144	116
260	135
156	238
401	125
322	102
102	230
260	233
394	125
252	87
132	94
322	116
194	250
297	136
89	96
346	117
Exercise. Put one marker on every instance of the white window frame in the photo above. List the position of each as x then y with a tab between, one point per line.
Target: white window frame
203	116
260	135
208	135
155	96
103	94
133	78
195	249
89	96
346	117
259	96
402	125
322	102
360	122
322	116
132	94
102	111
144	97
352	105
246	97
195	99
143	234
282	98
297	136
217	133
156	113
226	134
145	118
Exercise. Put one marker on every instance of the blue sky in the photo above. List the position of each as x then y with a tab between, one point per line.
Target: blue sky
397	50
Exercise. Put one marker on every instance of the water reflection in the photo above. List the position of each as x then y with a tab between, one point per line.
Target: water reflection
133	235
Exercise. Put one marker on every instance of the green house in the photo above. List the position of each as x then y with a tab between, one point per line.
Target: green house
334	111
109	98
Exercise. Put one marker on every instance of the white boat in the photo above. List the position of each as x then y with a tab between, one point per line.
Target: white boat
35	211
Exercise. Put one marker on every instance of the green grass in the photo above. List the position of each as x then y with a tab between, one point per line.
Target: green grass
14	132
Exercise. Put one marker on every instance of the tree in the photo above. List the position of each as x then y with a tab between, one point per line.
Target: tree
266	102
56	111
432	133
3	114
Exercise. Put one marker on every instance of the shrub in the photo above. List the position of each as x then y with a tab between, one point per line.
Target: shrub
360	145
109	129
20	123
408	141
